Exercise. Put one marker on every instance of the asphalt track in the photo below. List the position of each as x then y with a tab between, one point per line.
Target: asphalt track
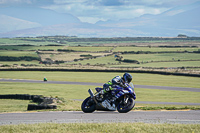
100	84
183	117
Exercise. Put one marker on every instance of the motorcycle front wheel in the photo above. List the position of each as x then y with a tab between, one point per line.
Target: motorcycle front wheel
88	105
124	107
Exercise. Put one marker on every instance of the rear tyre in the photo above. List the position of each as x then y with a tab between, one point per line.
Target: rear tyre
88	105
125	107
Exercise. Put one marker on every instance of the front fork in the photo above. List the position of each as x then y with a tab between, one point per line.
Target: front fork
125	99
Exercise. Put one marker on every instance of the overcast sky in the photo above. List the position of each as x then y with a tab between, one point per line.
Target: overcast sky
94	10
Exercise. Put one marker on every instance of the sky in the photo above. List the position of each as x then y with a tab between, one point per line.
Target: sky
92	11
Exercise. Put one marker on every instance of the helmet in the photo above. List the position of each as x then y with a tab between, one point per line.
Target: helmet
127	77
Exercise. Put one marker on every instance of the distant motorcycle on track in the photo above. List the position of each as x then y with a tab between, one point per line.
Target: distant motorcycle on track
105	102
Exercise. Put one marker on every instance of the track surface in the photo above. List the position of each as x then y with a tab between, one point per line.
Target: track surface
101	84
183	117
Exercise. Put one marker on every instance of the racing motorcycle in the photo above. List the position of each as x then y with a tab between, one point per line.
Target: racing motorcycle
108	102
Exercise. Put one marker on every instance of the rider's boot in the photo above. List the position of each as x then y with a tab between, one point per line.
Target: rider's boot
113	99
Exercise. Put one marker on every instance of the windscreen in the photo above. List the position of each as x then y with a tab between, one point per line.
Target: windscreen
131	85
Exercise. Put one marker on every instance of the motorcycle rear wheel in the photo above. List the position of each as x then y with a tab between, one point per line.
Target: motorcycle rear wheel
124	108
88	106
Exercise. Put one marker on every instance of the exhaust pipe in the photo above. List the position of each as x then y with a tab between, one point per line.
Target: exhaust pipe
91	93
93	97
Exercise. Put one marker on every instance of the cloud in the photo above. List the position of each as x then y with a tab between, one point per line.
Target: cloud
15	2
158	3
107	2
25	2
68	1
148	3
94	10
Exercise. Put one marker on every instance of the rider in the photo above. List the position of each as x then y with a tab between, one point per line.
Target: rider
120	81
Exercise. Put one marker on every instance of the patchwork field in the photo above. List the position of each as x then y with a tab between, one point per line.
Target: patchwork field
115	53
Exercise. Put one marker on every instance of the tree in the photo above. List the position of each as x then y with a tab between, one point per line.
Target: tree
182	36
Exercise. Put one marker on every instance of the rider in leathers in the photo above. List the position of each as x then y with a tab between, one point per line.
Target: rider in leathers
117	81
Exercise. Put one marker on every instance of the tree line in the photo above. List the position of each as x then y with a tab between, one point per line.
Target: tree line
26	58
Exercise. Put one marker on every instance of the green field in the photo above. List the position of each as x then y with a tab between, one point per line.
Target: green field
13	63
36	47
153	49
162	65
17	53
30	48
67	56
89	48
162	57
18	41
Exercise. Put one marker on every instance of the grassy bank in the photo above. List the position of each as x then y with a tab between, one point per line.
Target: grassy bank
101	127
69	92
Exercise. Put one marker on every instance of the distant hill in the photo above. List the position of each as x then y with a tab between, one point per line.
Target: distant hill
182	19
44	17
8	23
41	22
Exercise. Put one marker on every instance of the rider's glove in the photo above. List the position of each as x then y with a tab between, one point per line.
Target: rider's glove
134	95
108	89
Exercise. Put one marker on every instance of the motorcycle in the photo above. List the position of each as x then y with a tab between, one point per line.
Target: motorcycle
108	102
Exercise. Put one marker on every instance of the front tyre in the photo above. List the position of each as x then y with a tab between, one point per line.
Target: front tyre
88	105
124	107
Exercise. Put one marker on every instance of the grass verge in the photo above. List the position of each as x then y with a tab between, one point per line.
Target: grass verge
101	127
8	105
